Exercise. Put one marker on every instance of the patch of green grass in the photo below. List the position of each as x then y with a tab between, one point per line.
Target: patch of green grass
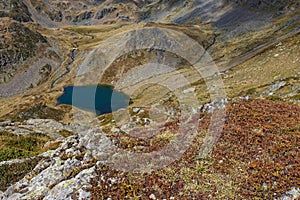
274	98
65	133
89	30
10	174
296	97
4	133
250	91
14	146
13	153
38	112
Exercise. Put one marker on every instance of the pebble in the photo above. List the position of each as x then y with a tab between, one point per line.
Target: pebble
152	196
265	186
135	110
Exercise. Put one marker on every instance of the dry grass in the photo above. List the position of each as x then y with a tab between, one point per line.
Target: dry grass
258	145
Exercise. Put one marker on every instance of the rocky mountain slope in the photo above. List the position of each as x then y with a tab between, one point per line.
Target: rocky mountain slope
16	10
18	44
89	12
24	53
51	151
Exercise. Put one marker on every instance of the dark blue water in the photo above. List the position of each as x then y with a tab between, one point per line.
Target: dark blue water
99	99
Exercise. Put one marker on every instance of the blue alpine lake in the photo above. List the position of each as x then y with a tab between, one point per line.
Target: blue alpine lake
100	99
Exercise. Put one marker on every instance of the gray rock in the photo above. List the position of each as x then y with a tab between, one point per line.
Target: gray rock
292	194
214	105
65	189
136	110
273	88
2	195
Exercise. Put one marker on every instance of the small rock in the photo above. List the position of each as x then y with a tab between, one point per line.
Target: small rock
135	110
273	88
83	194
115	130
69	152
265	186
141	111
294	193
152	196
189	90
112	180
2	195
146	120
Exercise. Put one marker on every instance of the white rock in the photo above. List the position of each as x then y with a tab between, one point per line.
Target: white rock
152	196
265	186
189	90
135	110
115	130
2	195
292	194
83	195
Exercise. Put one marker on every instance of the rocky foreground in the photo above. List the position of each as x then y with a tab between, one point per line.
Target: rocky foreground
256	156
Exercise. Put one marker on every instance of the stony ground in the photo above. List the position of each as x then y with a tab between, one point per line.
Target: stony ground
255	157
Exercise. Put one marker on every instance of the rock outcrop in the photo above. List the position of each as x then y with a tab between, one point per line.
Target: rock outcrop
18	44
63	173
15	9
27	58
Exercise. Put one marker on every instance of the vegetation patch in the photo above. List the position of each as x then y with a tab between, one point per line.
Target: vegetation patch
9	174
65	133
14	146
39	111
259	148
15	9
256	157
